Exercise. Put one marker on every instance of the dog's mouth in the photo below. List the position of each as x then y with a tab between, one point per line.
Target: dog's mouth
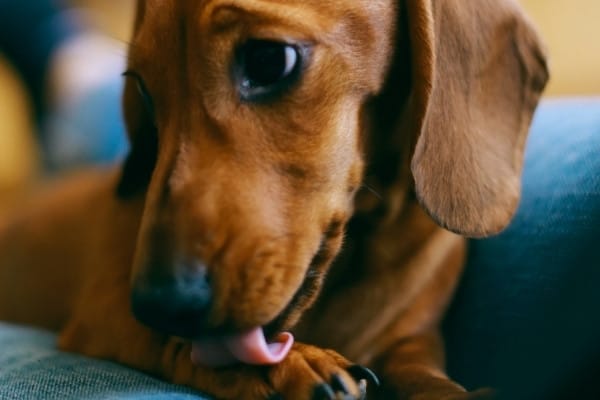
250	347
259	346
266	345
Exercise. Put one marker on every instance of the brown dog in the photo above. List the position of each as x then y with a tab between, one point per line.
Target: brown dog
261	130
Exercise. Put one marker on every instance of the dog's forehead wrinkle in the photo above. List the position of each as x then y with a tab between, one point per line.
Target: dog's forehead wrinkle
268	9
313	19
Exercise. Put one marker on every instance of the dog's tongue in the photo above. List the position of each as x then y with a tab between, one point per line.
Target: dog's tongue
248	348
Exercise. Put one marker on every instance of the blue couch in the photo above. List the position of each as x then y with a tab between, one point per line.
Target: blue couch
525	319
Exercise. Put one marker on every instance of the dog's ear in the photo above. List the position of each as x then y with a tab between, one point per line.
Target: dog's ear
140	10
143	136
476	76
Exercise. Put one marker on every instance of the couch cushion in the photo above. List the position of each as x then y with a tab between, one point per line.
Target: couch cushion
32	368
526	318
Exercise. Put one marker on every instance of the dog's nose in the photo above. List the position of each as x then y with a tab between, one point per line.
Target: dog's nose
176	305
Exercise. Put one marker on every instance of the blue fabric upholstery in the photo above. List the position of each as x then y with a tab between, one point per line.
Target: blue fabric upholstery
32	369
525	319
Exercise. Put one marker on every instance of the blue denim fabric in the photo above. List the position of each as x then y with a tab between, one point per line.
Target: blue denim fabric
32	369
526	318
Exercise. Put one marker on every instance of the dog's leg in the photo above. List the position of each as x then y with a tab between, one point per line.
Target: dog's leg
307	373
128	343
411	350
110	332
393	318
413	369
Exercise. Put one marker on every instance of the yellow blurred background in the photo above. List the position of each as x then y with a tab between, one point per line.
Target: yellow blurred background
571	29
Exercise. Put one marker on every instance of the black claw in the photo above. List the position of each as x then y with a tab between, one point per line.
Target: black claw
362	387
275	396
323	392
358	372
338	384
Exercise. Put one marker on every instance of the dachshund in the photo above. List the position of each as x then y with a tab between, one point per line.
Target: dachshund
294	206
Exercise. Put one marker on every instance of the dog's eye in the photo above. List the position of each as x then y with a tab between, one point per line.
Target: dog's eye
266	68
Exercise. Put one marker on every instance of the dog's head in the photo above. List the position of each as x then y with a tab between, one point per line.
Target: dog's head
251	121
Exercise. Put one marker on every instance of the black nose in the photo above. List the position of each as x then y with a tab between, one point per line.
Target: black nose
175	305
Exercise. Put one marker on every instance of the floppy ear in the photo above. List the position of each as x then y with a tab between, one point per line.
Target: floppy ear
143	137
477	73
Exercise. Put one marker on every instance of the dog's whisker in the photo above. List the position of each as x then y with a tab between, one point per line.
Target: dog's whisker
372	190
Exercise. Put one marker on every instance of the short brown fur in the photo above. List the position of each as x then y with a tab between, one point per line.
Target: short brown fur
410	113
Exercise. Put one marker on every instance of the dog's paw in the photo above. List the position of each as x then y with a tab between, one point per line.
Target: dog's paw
310	373
307	373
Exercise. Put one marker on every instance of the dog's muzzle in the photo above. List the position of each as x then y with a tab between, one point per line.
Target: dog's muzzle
179	306
176	304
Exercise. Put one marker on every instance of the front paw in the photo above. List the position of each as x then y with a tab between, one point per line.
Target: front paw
311	373
307	373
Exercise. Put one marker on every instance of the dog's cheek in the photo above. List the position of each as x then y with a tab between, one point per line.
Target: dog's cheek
315	276
271	285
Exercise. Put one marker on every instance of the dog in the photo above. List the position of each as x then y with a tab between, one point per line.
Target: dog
267	137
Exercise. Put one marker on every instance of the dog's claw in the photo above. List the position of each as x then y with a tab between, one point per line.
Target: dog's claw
275	396
338	385
359	372
362	387
323	392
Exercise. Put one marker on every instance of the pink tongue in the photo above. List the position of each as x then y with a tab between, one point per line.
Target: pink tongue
249	348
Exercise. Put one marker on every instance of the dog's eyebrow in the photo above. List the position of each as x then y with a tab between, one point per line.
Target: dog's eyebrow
223	14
